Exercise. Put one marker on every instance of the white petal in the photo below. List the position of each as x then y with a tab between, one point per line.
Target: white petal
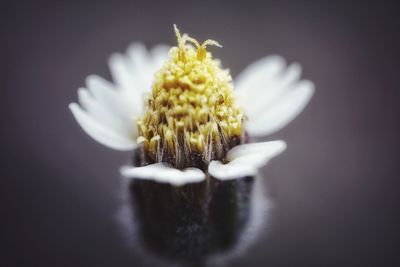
138	56
112	101
283	111
245	160
163	173
109	96
263	87
270	149
99	112
269	92
106	107
134	72
110	110
100	133
141	64
121	71
258	84
258	73
146	64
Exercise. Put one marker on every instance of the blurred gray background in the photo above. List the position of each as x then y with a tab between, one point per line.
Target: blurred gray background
336	188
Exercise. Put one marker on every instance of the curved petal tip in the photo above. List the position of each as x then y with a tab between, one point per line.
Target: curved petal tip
98	132
272	94
245	160
163	173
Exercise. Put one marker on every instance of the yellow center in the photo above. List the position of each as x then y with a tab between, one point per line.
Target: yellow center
190	116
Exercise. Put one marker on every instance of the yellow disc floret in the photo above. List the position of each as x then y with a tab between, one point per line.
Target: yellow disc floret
191	118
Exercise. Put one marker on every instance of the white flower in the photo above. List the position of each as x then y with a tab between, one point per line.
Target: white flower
269	92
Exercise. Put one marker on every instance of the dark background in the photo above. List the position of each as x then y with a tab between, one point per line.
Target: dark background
336	188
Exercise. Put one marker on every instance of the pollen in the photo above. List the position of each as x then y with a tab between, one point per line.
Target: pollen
190	117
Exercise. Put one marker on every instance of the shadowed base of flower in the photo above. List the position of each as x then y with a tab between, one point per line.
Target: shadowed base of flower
187	158
191	223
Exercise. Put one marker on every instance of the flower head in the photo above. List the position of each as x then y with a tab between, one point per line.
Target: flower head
183	116
190	117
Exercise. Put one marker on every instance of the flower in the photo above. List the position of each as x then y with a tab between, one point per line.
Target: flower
187	121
